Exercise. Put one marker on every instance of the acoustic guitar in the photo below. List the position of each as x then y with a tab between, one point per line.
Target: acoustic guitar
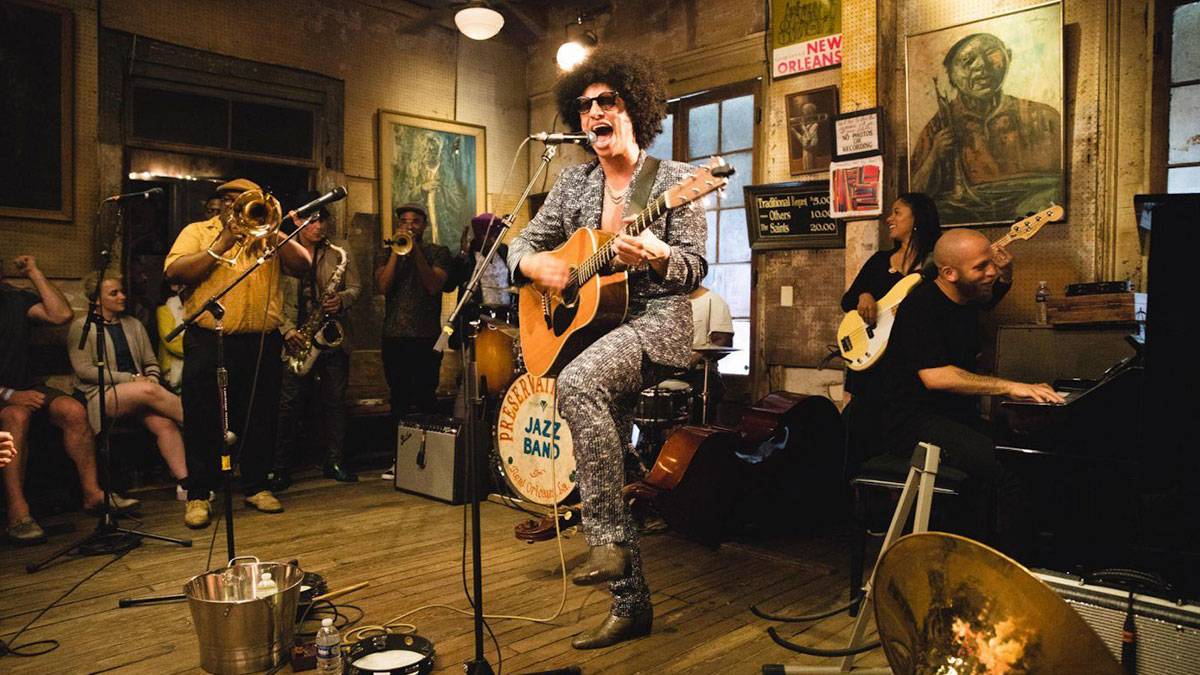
557	327
862	344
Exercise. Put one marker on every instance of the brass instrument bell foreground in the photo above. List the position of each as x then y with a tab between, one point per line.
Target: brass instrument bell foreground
253	216
945	604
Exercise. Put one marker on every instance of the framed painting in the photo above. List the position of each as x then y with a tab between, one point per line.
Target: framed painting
856	188
985	116
438	164
810	129
37	67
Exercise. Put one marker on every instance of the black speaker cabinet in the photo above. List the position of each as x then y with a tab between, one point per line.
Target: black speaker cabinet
429	458
1168	633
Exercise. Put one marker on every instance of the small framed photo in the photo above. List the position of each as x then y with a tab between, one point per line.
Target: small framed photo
856	188
856	134
810	129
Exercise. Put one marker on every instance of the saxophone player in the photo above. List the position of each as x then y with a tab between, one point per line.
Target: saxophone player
314	324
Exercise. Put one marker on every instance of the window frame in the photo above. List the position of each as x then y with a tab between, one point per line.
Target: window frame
679	108
1161	88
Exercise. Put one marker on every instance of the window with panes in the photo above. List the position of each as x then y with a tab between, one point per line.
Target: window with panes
720	123
1183	153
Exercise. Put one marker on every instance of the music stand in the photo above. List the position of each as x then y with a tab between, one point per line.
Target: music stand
918	490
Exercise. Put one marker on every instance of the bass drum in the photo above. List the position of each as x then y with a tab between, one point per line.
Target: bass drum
495	356
536	455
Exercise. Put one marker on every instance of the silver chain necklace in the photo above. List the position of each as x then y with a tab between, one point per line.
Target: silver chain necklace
617	197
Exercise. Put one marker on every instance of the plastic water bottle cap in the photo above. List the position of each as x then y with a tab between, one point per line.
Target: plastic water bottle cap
326	622
266	576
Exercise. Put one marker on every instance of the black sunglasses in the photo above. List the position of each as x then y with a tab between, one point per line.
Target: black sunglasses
607	101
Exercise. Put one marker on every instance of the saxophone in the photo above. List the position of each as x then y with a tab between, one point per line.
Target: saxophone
321	330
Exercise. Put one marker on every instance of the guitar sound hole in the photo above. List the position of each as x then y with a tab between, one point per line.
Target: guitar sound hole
570	295
563	316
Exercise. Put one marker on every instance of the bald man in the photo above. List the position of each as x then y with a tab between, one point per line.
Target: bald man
932	389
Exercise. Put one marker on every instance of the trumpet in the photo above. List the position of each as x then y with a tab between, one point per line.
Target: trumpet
401	243
253	216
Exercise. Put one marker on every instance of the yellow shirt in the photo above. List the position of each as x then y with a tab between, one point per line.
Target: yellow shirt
244	305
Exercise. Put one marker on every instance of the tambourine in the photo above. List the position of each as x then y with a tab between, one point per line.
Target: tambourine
390	654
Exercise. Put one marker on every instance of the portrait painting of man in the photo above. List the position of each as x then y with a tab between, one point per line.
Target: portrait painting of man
435	163
985	110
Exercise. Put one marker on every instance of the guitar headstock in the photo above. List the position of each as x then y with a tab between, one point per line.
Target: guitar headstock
1026	228
707	179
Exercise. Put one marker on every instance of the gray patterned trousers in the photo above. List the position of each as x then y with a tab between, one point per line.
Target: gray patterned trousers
596	395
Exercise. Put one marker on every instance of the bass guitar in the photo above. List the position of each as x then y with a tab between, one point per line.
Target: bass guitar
862	344
557	327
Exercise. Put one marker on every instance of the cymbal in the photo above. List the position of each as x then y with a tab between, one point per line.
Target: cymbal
945	603
715	349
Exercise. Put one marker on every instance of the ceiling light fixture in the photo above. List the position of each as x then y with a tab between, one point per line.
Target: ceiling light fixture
478	21
574	51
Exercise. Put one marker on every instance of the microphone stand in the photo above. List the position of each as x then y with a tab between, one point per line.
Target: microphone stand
213	306
479	665
109	536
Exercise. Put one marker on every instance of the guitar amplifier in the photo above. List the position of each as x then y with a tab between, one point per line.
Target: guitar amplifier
1168	633
429	458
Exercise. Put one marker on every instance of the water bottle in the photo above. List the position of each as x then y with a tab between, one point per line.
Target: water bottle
266	586
329	649
1043	294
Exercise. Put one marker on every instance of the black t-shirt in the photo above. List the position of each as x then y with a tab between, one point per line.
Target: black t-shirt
931	331
121	349
877	278
14	336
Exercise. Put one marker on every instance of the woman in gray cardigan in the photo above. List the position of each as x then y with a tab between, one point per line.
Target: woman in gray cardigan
131	379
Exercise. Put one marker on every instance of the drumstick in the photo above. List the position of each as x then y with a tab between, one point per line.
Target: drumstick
343	591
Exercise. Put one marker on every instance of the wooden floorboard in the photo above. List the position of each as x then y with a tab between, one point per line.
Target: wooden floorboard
409	550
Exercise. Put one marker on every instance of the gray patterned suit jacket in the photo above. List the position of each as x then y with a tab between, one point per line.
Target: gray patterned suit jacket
660	311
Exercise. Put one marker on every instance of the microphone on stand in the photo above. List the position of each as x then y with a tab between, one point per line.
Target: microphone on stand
333	195
585	138
144	194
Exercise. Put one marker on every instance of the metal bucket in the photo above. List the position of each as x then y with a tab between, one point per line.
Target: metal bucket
239	632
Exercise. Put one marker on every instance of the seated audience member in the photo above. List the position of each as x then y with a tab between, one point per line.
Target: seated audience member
931	389
170	354
22	397
131	380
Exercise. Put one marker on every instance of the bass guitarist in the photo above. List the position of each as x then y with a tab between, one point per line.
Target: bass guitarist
913	227
620	98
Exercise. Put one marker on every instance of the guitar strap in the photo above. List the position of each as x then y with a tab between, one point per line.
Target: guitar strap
641	187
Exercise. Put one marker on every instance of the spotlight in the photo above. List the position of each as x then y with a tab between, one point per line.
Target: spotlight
478	21
573	52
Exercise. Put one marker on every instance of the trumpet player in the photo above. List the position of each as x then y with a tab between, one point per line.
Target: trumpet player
205	257
411	273
314	327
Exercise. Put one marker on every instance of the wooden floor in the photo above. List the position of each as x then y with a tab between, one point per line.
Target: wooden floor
409	548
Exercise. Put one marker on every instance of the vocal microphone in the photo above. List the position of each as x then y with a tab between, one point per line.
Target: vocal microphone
333	195
144	194
585	138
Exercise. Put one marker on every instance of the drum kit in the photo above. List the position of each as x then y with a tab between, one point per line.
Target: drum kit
533	456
